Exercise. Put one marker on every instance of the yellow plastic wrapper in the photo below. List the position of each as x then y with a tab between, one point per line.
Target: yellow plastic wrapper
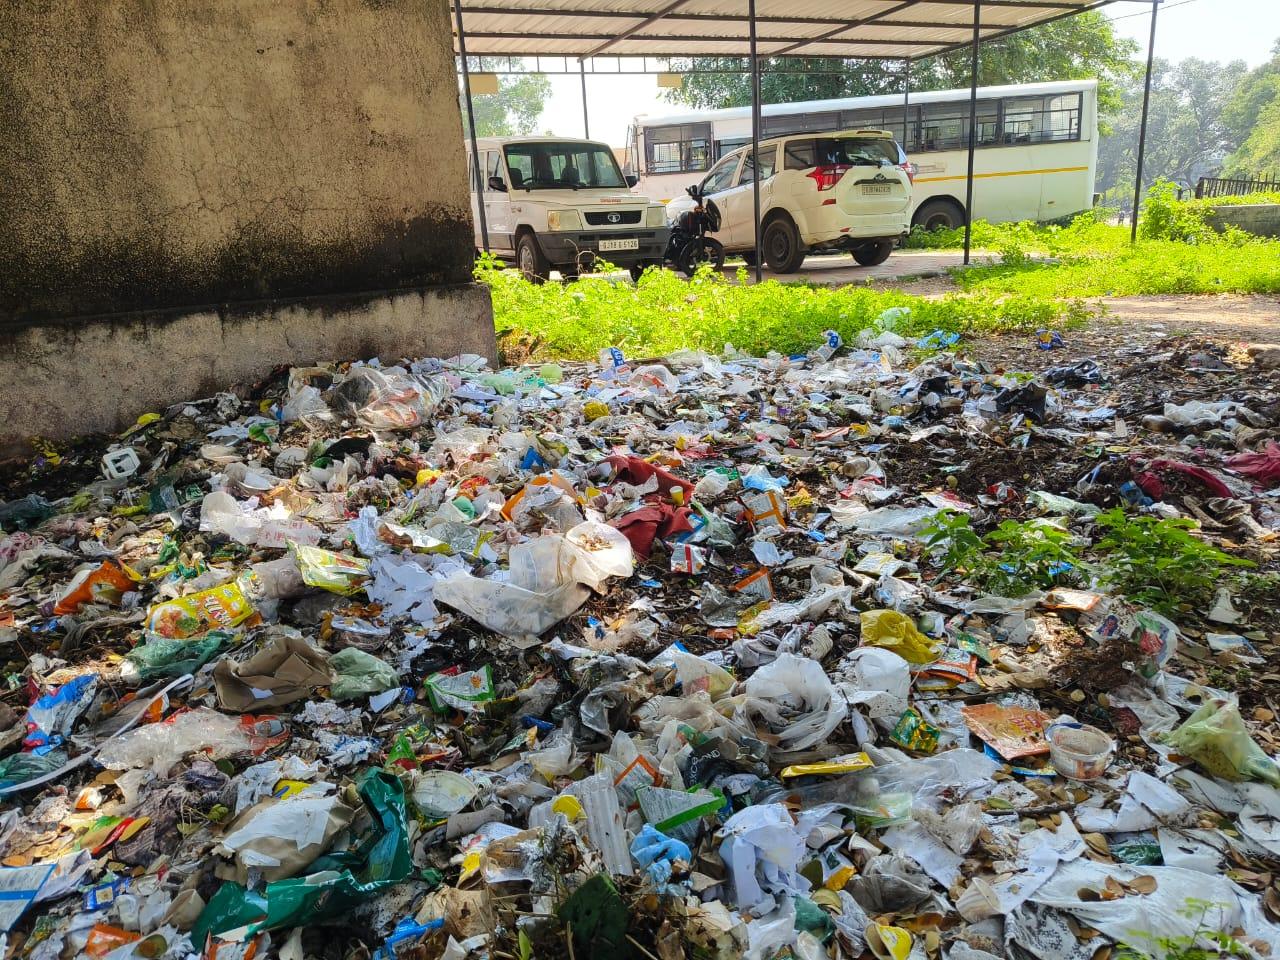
335	572
895	631
218	608
1216	737
840	765
594	410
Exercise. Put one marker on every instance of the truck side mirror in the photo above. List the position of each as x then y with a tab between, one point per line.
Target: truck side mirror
498	184
631	179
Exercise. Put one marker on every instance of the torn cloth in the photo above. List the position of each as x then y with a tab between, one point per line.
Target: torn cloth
653	520
633	470
1263	466
1152	483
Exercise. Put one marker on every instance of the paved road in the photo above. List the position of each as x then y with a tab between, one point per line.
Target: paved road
838	270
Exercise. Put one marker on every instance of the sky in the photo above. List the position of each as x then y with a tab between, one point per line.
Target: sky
1209	29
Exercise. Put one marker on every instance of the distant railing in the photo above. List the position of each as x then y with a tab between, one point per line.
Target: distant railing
1228	187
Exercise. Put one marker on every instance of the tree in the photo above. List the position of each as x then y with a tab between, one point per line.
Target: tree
514	109
1068	49
1253	118
1187	134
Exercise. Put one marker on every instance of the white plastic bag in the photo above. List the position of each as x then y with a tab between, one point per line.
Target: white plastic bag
877	679
796	699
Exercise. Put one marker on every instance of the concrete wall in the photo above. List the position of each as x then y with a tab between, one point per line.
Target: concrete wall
77	378
173	154
1262	219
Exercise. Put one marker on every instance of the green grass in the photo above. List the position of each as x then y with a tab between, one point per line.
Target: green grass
1177	252
664	313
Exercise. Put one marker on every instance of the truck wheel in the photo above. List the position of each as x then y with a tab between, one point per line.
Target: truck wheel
533	265
873	254
749	258
939	214
781	246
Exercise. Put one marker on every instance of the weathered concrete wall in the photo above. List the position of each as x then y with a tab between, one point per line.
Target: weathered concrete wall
159	153
1262	219
75	378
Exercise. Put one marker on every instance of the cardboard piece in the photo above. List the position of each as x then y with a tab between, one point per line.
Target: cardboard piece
285	670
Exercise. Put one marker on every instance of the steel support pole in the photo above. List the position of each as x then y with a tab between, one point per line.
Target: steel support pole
906	104
586	123
1142	128
755	133
973	129
471	123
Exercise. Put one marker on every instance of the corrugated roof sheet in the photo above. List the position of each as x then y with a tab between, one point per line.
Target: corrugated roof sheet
888	29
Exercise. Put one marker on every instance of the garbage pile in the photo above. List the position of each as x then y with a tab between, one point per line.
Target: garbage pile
707	656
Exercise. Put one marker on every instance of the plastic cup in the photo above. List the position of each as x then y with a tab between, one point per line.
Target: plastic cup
1079	751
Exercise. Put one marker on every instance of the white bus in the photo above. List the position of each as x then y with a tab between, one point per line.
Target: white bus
1037	146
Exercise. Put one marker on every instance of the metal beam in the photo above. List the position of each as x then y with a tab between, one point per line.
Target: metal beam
952	48
722	18
471	123
1142	129
827	37
702	38
973	129
906	105
755	135
626	34
586	121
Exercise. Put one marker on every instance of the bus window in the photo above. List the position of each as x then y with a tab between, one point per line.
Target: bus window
1042	119
679	148
945	126
780	126
726	147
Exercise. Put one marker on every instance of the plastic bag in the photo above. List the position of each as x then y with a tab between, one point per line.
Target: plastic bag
106	583
877	679
358	673
162	657
338	882
389	399
1216	738
21	767
896	631
797	701
53	715
161	745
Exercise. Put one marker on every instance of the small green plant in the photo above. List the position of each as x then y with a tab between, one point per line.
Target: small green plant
1158	562
1165	217
1012	560
1204	944
951	536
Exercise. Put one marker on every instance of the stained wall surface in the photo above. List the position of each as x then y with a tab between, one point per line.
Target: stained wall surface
160	153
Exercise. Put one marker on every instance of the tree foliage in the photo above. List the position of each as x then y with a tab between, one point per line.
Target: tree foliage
1187	134
1068	49
514	109
1253	118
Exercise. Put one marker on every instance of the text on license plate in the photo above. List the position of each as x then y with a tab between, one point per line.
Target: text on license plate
628	244
876	188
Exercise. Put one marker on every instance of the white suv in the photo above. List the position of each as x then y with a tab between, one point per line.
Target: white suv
848	190
555	202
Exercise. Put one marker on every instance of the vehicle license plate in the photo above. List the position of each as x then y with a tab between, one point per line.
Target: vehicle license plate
876	188
628	244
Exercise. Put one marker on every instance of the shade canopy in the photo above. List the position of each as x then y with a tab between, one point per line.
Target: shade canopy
877	29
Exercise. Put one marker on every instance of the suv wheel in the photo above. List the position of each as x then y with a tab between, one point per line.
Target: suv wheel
873	254
530	260
781	246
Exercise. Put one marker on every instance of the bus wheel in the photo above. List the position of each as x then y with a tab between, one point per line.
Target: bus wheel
939	214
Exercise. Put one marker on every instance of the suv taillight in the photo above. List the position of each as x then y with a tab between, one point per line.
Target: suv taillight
909	169
828	175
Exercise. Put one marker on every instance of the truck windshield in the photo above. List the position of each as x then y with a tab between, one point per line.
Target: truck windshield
560	166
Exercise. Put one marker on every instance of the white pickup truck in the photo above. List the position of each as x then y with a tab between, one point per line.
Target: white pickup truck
558	203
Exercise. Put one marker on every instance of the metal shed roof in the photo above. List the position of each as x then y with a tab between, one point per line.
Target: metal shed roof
878	29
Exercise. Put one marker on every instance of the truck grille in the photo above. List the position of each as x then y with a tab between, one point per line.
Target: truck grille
602	219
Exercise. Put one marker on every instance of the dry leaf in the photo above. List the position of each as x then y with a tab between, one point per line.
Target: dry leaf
1263	715
1144	884
1097	843
1088	895
1103	953
1113	890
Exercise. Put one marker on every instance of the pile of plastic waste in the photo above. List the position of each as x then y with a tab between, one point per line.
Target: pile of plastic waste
701	657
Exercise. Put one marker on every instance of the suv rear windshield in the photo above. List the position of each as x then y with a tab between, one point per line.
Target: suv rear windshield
862	151
559	166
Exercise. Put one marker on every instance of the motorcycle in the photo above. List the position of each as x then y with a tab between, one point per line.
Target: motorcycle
689	246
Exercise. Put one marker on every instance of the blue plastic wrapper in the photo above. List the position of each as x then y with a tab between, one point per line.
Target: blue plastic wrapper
53	715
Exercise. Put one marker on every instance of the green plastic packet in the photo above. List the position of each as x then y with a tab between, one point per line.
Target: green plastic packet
337	883
467	691
358	673
163	657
